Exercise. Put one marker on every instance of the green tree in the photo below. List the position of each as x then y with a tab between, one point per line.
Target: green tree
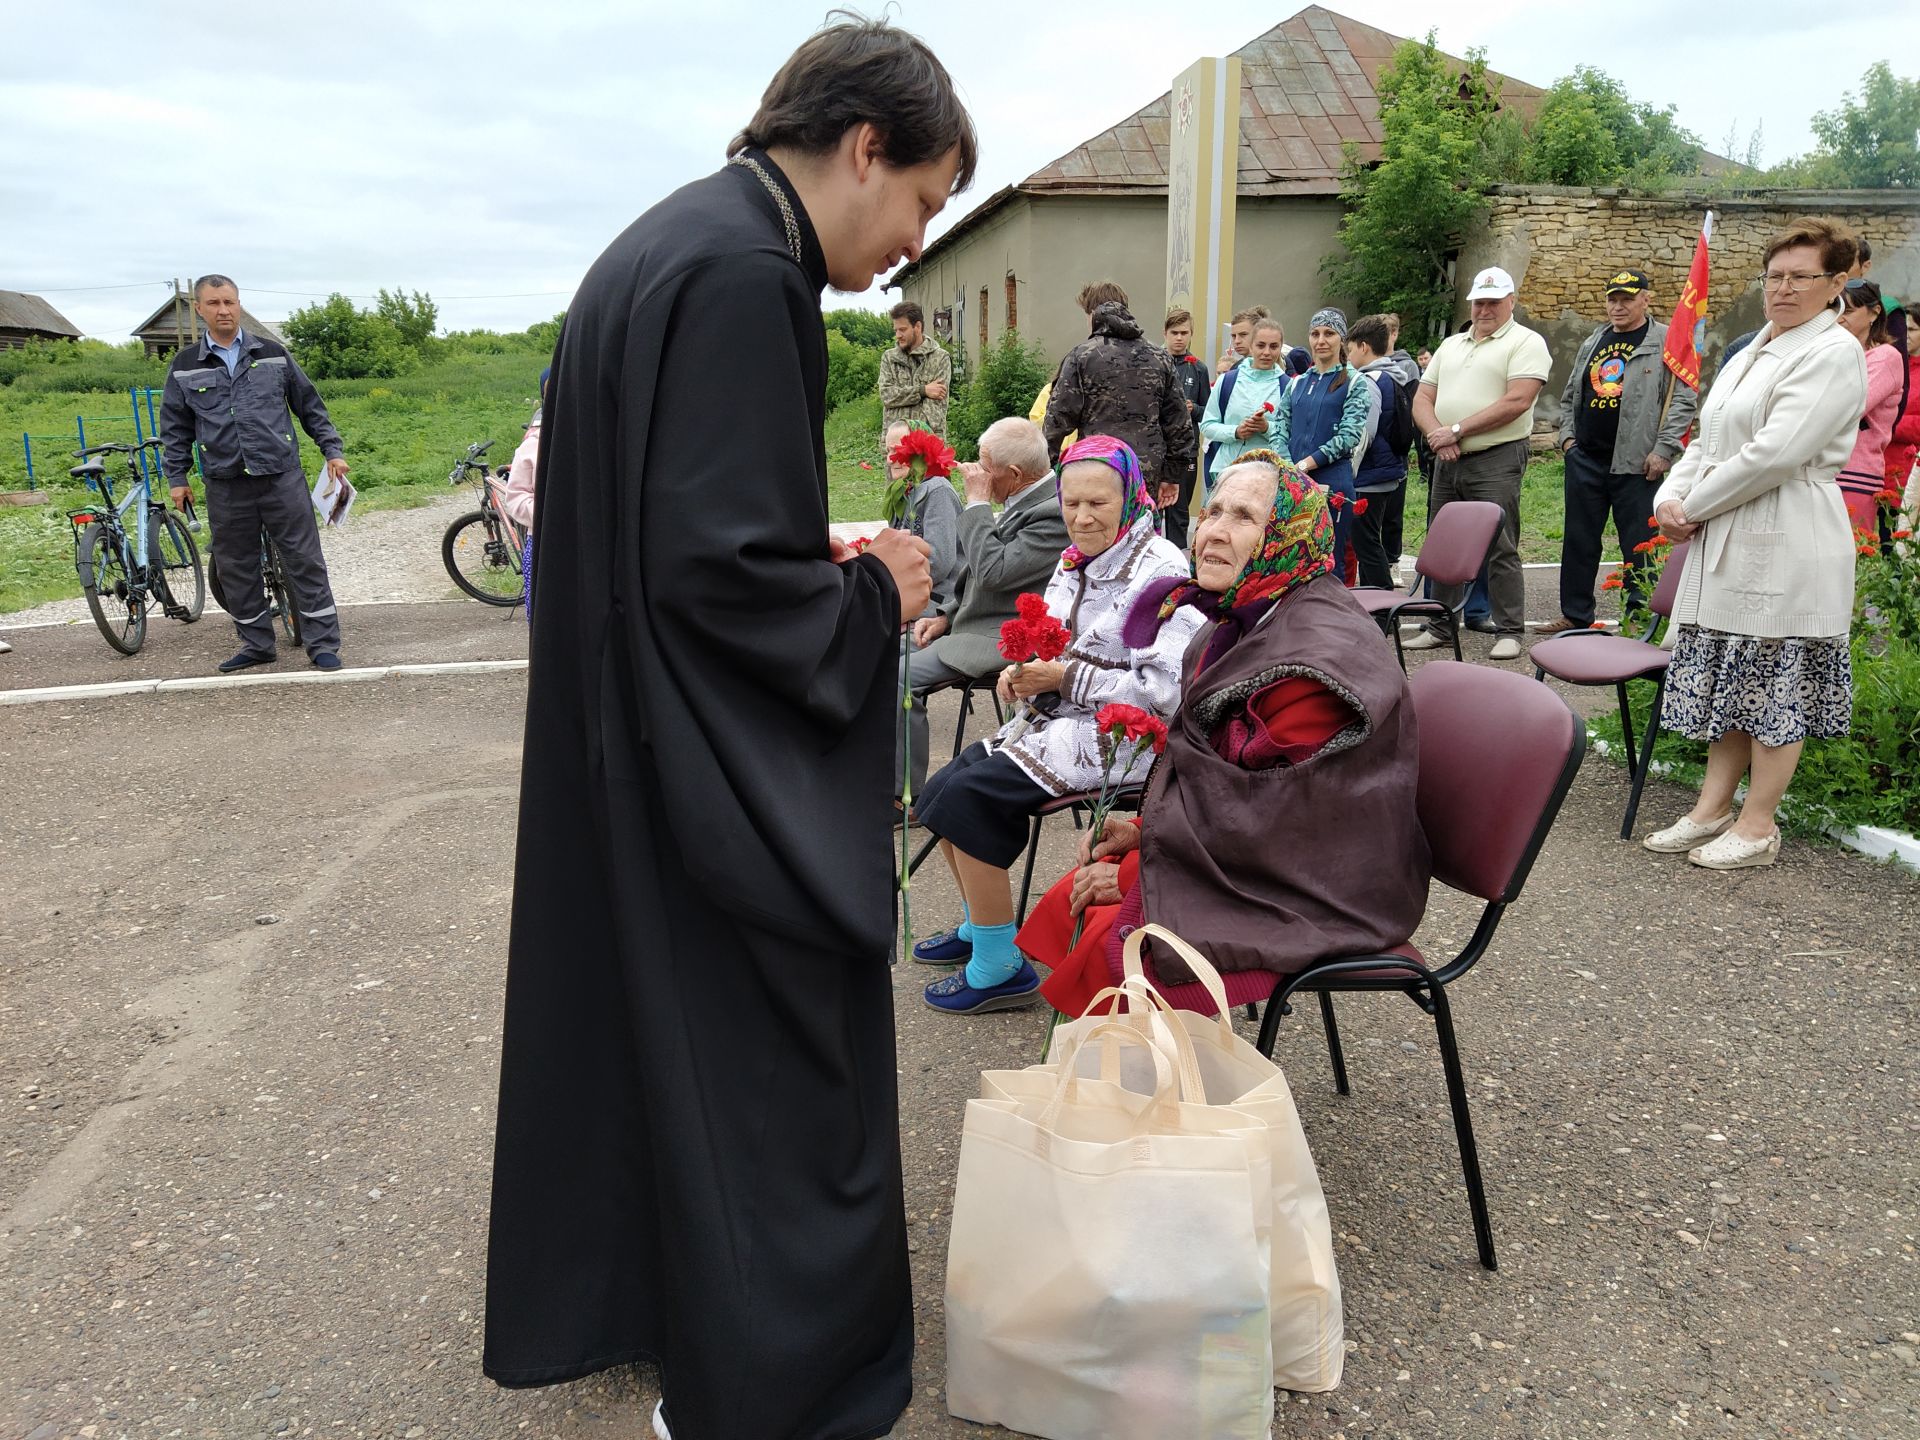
1872	143
545	334
1406	215
412	317
862	327
1590	132
334	340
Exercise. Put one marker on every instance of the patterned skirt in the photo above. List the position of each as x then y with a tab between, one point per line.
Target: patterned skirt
1777	690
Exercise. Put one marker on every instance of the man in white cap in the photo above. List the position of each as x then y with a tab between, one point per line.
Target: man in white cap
1475	406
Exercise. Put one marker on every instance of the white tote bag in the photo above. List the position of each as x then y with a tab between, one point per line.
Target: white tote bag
1108	1266
1308	1331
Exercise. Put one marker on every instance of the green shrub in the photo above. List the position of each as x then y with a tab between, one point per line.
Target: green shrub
862	327
334	340
48	367
1004	383
852	370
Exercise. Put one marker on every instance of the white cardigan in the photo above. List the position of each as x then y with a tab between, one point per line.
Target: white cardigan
1774	556
1061	754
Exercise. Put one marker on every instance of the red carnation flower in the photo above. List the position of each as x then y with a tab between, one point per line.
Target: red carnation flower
1031	606
933	453
1267	406
1016	640
859	547
1360	506
1131	724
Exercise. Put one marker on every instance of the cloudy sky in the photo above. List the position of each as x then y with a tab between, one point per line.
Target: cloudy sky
487	151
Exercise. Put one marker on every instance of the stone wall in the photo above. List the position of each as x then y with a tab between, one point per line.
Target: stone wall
1560	244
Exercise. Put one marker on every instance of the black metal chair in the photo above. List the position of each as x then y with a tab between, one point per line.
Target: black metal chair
1594	657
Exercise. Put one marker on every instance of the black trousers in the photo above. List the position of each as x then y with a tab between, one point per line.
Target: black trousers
238	509
1174	519
1378	535
1593	492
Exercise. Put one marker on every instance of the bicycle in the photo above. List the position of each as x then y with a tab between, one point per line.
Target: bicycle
482	548
273	578
120	572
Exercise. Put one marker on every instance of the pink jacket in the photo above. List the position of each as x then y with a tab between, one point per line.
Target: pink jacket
1866	466
517	498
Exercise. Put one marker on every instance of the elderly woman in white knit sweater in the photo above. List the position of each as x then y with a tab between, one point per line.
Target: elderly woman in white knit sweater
1766	599
981	803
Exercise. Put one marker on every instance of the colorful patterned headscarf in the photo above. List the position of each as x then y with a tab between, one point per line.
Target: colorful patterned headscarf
1296	546
1135	499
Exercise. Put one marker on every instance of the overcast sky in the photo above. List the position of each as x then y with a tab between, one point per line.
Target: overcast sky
488	149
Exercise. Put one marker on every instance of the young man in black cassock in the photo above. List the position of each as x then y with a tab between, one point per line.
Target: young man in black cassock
698	1156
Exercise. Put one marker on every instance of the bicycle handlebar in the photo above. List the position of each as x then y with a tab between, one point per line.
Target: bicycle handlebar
114	448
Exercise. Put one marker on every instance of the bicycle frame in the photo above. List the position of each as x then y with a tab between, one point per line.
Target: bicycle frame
139	493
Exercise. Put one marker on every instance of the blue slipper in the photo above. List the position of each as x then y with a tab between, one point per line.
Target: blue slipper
946	948
953	995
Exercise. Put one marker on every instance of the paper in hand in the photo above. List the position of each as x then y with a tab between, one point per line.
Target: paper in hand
332	498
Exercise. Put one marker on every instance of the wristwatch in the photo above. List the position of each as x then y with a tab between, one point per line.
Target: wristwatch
1455	427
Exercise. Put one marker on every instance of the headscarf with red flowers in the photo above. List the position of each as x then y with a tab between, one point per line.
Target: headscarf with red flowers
1135	499
1297	545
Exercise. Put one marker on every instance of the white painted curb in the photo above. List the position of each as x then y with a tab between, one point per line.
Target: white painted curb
224	682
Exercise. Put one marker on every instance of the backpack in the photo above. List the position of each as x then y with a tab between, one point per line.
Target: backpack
1398	425
1225	391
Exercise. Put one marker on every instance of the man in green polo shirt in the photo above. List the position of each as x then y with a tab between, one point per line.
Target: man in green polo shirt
1475	406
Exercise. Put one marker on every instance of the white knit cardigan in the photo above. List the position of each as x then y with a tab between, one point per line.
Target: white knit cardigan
1061	753
1774	556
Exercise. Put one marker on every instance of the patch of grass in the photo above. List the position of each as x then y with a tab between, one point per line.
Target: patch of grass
1543	511
402	437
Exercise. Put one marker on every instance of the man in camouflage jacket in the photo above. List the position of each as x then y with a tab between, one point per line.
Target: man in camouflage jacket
915	374
1116	383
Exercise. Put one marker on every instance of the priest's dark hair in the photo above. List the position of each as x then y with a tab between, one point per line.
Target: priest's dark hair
853	70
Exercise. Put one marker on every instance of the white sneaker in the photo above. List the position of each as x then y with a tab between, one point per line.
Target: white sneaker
1505	648
1421	639
1685	834
5	648
660	1421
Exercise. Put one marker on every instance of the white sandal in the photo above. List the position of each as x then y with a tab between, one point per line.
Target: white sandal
1736	852
660	1421
1685	834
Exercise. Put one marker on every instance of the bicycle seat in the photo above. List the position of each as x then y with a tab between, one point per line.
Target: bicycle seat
93	469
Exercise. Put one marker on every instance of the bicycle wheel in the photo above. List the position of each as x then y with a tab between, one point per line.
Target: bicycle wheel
279	593
118	608
480	560
176	571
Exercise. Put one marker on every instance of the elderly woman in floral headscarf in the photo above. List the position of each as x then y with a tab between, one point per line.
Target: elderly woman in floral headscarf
1279	828
981	803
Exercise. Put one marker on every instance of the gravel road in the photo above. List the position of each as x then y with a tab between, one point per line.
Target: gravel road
251	953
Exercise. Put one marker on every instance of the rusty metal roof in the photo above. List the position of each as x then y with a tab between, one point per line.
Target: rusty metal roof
1306	90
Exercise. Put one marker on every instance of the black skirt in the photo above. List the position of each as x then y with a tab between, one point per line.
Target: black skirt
982	802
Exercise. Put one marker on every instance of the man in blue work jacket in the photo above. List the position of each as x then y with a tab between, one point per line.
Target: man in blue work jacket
232	393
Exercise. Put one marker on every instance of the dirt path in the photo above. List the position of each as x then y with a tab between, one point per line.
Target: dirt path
379	555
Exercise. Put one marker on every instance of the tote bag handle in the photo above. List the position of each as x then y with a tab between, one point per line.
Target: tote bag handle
1203	970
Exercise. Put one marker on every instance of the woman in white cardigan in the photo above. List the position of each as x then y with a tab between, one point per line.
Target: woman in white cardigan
980	805
1766	597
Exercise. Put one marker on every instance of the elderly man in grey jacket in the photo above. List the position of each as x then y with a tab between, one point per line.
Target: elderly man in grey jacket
1004	555
1622	418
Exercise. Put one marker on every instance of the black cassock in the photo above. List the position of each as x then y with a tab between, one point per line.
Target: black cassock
698	1154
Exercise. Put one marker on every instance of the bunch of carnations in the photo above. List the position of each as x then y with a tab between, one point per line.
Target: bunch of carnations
924	454
1032	634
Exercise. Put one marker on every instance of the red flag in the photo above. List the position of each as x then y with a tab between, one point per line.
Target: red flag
1687	335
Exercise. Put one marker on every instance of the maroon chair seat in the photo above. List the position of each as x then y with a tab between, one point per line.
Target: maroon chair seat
1600	660
1593	657
1455	548
1484	840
